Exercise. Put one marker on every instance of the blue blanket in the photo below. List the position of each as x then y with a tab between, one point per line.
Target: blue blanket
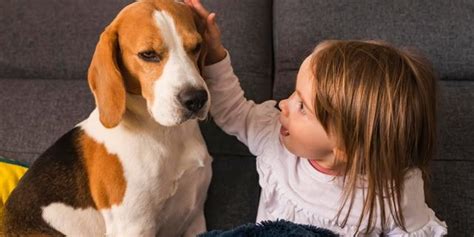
277	228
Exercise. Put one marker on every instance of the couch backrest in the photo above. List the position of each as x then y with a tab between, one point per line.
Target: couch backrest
441	30
52	39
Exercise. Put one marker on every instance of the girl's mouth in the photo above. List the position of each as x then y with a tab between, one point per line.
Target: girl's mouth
284	132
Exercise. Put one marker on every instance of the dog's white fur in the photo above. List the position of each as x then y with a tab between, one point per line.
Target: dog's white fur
73	222
166	109
167	168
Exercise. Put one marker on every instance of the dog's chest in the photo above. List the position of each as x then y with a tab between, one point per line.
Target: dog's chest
160	168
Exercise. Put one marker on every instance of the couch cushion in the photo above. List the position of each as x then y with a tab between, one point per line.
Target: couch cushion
52	39
452	192
456	121
233	194
452	181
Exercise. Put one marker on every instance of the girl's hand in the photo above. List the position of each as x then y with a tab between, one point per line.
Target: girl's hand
212	35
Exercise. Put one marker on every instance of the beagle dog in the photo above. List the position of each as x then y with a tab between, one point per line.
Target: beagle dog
138	165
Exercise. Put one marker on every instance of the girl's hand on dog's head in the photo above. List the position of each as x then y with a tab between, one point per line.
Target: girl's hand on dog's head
212	35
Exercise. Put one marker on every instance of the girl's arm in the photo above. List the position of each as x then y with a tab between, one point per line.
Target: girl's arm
251	123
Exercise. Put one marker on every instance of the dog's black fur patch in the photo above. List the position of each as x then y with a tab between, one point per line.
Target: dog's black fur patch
58	175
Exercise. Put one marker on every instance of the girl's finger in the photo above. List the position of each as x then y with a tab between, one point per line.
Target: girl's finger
211	24
203	12
211	19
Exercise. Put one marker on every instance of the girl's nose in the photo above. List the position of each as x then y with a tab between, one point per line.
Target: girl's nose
283	105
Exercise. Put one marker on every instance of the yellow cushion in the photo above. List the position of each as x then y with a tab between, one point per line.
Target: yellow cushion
10	174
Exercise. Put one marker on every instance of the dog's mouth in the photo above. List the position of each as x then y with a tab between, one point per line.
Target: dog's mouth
200	115
179	116
189	115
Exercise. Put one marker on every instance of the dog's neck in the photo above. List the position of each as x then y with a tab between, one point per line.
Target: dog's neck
137	115
136	106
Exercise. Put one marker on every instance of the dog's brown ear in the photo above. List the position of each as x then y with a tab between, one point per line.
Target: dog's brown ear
105	79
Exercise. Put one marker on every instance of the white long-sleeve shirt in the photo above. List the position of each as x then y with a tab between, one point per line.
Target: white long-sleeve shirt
291	188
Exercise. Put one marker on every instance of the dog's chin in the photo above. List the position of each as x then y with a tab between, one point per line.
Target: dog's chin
174	119
178	116
170	121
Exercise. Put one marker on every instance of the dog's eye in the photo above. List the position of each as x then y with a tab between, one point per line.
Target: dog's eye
150	56
196	49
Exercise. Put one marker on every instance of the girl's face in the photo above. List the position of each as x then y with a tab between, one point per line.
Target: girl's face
301	132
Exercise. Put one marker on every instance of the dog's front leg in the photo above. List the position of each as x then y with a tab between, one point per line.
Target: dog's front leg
123	224
132	232
196	226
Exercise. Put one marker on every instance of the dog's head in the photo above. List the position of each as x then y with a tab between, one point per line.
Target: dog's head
152	49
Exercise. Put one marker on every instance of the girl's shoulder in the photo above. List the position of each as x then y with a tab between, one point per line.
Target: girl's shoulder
420	219
413	189
413	174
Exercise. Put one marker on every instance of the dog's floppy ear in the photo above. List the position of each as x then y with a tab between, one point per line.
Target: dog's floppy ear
105	79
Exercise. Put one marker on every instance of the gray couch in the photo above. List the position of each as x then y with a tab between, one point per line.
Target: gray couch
46	47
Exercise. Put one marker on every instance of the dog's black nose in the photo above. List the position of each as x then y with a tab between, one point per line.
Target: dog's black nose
193	100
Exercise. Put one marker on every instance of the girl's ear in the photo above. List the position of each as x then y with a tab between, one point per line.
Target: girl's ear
105	79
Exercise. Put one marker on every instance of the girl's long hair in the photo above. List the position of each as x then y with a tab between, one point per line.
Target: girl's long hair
379	103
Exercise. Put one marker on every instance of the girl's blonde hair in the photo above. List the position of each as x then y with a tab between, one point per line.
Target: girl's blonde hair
379	103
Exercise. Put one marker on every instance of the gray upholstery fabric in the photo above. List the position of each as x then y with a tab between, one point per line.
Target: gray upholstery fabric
35	113
247	34
452	192
453	184
233	194
456	122
52	39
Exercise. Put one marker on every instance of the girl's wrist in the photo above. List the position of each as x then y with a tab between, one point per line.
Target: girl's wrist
215	55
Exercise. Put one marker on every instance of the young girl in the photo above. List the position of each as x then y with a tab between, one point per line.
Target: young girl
350	146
